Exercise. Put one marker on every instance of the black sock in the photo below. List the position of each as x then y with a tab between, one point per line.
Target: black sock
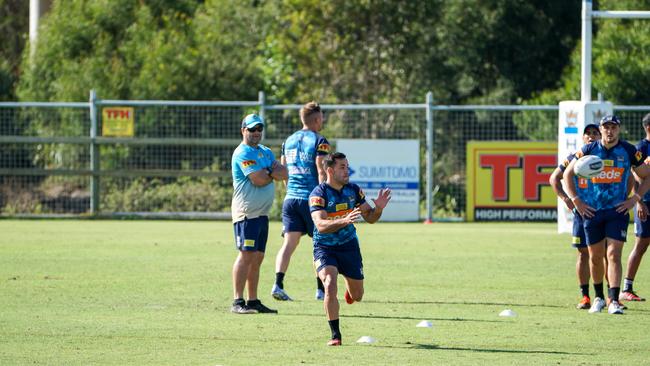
334	327
279	277
253	302
239	301
319	284
598	287
613	293
585	290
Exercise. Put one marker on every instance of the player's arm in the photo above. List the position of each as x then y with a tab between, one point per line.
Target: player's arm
584	209
370	214
278	171
641	208
261	177
642	171
326	226
556	183
322	174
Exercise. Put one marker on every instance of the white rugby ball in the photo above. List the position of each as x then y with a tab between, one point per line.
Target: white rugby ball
588	166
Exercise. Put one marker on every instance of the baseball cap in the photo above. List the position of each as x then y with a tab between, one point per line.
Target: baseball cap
251	120
591	125
610	119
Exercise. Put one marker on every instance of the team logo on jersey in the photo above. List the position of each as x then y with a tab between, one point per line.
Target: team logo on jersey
247	163
608	162
361	194
582	183
317	201
341	206
323	148
609	175
638	155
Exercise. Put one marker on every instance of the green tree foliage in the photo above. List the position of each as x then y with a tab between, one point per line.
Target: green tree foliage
619	68
378	51
14	25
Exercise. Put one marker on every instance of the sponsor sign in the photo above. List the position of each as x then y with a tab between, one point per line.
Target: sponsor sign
117	122
376	164
508	181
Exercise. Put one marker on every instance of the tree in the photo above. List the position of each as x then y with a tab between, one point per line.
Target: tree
14	24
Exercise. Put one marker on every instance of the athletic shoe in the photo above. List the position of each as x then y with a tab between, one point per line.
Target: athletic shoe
260	308
334	342
585	303
597	306
620	304
242	309
614	308
348	297
320	294
630	296
280	294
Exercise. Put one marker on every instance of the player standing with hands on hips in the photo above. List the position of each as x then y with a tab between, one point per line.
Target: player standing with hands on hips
335	206
605	207
254	169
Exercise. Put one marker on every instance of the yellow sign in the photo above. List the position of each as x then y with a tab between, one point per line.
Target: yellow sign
508	181
117	121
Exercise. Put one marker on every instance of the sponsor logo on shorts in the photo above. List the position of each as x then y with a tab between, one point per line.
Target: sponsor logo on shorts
247	163
249	243
317	201
609	175
317	263
576	240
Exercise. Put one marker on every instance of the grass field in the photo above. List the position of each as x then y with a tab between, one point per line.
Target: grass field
159	292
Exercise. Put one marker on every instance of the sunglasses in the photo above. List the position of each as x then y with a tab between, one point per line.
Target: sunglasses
258	128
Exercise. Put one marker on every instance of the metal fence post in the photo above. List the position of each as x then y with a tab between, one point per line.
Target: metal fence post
94	155
429	218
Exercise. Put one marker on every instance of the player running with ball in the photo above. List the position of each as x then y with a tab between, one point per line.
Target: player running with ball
335	206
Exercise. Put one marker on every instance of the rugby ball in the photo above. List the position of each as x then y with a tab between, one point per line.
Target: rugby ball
588	166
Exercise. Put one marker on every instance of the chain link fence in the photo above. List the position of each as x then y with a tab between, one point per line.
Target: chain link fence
54	159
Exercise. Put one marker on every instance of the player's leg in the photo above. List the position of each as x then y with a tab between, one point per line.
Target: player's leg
642	240
328	275
616	232
290	243
256	233
353	290
351	267
597	270
579	241
241	268
582	273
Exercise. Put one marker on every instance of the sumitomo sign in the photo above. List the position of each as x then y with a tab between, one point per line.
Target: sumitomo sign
376	164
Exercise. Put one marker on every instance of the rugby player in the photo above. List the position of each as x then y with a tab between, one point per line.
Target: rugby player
335	205
605	207
641	227
302	153
589	134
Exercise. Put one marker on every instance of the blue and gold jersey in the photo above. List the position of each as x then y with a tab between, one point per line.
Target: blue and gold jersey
249	200
644	147
300	151
582	184
337	204
609	188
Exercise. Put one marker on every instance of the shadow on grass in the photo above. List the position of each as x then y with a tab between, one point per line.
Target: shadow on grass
463	303
486	350
412	318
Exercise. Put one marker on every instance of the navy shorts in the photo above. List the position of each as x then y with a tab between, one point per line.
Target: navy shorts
346	258
251	234
578	235
296	217
606	224
642	228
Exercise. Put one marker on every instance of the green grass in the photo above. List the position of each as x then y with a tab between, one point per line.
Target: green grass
159	292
